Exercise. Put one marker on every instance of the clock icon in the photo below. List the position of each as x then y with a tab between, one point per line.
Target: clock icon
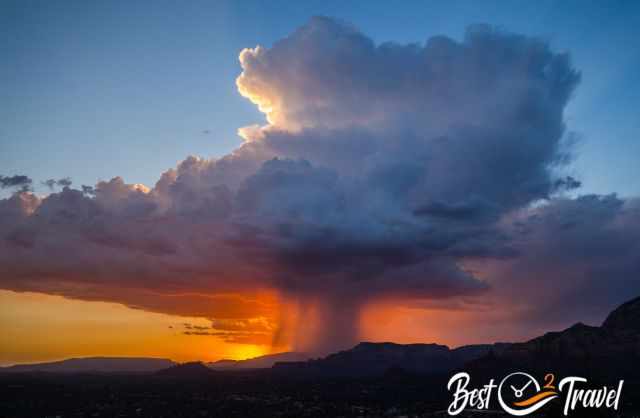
519	382
519	394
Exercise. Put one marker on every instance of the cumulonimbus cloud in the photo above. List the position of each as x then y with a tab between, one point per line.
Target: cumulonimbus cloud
384	171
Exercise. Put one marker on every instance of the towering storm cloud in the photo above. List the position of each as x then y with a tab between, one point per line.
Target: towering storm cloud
421	172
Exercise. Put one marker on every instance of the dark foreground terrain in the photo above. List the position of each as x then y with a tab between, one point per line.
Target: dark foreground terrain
224	395
368	380
242	394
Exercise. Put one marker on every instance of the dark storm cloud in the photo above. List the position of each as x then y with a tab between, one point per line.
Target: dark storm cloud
579	258
384	171
18	181
53	183
88	190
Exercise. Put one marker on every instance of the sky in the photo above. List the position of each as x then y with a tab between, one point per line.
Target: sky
404	201
89	89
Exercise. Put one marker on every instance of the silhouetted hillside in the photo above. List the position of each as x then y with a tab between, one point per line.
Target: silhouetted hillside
611	351
261	362
625	318
369	359
192	370
95	364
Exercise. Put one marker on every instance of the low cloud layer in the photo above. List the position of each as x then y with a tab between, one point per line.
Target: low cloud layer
257	331
429	172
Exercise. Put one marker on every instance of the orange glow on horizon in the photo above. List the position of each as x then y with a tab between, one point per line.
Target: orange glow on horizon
246	351
39	328
406	323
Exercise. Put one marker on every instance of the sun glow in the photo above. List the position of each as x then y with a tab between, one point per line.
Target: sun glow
38	327
243	352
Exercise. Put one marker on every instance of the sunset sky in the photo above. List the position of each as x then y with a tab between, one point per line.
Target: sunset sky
231	179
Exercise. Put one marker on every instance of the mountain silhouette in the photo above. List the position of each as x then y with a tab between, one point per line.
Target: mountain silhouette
625	318
190	370
95	364
261	362
369	359
609	351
